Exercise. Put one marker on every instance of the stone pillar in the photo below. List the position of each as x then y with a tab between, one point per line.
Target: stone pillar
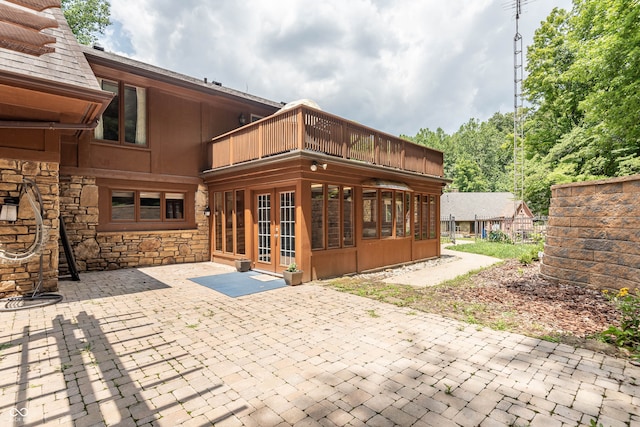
23	277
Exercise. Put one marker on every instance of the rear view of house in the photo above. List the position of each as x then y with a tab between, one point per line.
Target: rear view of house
144	166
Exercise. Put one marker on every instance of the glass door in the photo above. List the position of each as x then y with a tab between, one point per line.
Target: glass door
275	213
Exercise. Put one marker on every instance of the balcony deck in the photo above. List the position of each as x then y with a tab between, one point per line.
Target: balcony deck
307	129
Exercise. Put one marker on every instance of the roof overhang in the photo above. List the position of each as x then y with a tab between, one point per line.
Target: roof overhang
30	102
367	169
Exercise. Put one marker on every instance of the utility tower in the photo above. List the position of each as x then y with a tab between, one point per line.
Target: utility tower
518	114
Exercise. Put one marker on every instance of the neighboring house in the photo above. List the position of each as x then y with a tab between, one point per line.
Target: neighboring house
123	150
480	213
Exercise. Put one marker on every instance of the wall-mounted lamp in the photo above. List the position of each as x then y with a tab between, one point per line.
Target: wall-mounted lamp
315	165
9	211
207	211
242	120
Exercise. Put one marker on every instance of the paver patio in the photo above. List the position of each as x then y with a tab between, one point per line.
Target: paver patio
149	347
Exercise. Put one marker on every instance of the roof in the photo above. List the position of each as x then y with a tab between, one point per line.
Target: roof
65	65
138	67
466	206
45	80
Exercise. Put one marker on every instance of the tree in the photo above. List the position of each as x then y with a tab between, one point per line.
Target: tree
469	177
87	18
584	83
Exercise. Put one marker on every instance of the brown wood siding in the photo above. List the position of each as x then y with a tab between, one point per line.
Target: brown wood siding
180	125
333	263
30	144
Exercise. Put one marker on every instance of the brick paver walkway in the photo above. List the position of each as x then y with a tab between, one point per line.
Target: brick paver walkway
149	347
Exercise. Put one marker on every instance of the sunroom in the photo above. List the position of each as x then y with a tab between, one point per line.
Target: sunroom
330	195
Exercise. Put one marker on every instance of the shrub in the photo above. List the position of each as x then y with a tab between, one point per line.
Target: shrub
499	236
626	335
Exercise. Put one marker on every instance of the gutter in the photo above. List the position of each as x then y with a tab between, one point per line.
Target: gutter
8	124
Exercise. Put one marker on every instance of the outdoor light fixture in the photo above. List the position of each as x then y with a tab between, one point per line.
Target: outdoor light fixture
314	166
9	211
207	211
242	120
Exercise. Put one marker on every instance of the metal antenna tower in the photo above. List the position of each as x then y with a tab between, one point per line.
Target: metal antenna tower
518	114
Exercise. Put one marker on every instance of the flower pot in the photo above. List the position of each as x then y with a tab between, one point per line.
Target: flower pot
292	278
243	265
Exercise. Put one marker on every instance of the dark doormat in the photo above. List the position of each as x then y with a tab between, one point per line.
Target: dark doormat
238	284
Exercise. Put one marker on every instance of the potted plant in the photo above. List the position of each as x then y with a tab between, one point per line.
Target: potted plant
292	276
243	264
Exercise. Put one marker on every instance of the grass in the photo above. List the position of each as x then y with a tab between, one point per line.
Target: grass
498	250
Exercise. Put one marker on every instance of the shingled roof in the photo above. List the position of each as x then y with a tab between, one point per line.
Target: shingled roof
48	85
466	206
64	63
137	67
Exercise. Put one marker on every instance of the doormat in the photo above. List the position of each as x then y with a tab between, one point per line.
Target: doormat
238	284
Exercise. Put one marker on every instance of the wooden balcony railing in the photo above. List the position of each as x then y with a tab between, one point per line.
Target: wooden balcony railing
307	129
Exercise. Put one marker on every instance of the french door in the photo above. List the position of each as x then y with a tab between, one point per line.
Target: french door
275	214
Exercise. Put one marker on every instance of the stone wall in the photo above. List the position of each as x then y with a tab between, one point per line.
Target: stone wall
95	250
593	238
23	277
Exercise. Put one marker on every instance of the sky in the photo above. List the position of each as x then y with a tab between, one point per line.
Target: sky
394	65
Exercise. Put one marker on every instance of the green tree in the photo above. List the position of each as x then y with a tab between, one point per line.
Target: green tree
584	83
87	18
468	176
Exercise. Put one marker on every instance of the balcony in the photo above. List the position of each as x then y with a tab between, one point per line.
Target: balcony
307	129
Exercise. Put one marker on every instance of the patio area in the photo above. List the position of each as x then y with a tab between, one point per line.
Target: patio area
149	347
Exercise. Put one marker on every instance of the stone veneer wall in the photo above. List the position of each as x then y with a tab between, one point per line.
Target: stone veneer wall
95	250
16	277
593	237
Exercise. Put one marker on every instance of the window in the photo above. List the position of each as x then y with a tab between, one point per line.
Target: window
317	216
174	205
386	229
432	217
333	216
125	119
146	206
369	213
332	223
150	206
416	217
399	214
123	206
217	212
407	214
229	229
425	217
228	221
347	218
240	232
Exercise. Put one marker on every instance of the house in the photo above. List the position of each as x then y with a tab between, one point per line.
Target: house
164	168
480	213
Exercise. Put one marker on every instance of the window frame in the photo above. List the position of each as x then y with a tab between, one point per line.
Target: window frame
106	222
122	86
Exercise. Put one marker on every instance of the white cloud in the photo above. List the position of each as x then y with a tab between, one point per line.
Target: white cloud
395	65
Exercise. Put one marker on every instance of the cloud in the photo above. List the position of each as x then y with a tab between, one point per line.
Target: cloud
396	66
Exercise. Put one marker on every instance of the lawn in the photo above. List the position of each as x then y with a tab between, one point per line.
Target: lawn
498	250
